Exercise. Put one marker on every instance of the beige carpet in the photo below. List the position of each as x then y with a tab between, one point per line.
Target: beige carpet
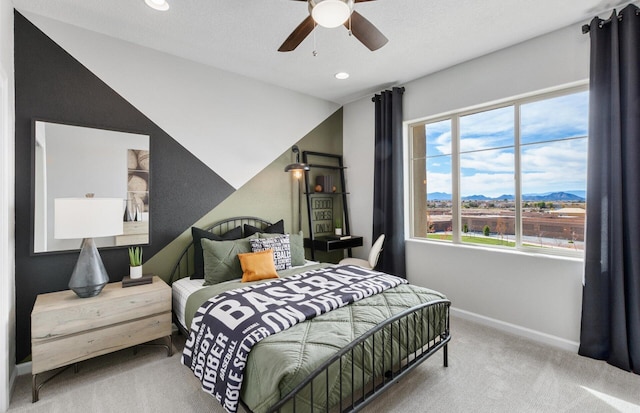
488	372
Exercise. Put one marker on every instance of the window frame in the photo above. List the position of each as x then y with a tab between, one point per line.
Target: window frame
456	208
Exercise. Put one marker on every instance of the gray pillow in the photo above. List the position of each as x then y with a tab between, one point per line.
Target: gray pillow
296	243
221	261
280	247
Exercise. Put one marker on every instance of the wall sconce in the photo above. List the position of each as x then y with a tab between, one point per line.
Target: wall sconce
297	168
88	218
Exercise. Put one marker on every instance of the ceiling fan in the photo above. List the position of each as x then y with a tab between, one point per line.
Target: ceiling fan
333	13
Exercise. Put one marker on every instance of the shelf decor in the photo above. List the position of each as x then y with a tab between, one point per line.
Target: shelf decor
327	206
137	185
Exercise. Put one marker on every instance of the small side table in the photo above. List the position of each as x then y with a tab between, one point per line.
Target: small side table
328	244
66	329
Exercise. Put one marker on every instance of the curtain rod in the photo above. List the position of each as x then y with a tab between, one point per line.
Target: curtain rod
587	27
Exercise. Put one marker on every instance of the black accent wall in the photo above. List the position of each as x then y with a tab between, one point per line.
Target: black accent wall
51	84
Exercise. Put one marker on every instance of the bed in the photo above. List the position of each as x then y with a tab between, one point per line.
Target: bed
339	360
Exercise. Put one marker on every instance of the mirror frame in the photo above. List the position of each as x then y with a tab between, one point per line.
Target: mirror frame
32	205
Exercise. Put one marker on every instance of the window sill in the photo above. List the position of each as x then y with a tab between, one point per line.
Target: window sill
500	250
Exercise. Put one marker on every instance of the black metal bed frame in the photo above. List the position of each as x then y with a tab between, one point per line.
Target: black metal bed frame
353	396
429	323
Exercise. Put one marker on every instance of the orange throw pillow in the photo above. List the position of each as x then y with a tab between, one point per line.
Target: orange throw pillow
257	266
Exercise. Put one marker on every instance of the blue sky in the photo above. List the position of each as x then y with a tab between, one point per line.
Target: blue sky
487	152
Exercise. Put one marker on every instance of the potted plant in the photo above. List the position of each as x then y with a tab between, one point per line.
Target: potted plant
338	226
135	262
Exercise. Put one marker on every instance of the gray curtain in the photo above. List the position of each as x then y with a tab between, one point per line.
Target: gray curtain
611	294
388	194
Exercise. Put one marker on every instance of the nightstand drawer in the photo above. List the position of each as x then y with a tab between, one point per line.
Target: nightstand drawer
50	354
63	313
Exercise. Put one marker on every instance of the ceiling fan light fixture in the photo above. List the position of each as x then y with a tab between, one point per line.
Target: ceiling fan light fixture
330	13
161	5
342	75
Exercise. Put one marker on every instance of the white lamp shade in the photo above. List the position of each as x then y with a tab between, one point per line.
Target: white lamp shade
88	217
330	13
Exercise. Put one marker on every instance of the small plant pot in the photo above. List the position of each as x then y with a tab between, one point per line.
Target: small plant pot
135	272
338	231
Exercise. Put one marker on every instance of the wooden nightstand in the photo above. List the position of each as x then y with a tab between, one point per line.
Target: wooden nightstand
66	329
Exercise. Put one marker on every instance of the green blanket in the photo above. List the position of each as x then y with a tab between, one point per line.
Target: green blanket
281	361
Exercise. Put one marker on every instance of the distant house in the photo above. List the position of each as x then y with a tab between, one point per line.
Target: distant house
569	212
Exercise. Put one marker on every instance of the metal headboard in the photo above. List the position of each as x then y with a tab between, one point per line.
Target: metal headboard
184	266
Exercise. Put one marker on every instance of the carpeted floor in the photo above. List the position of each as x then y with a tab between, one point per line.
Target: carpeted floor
488	371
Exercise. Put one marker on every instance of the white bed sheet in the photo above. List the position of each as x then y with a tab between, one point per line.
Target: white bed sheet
180	291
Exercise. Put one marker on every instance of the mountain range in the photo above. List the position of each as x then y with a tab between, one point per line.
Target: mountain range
566	196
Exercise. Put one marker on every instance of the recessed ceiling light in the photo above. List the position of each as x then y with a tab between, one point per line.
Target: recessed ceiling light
342	75
161	5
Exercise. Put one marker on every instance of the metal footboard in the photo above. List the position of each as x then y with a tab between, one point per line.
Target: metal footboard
358	373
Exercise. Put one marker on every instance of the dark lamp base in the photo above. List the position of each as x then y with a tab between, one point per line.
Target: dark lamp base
89	275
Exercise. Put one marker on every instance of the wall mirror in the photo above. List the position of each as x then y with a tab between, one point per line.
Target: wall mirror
70	161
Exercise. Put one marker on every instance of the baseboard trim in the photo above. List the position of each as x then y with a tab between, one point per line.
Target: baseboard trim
12	381
23	368
534	335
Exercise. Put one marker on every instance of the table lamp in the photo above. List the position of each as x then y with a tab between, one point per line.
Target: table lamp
88	218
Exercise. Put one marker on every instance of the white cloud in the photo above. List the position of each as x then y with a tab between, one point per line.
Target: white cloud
563	116
491	185
557	166
488	129
438	138
500	160
438	182
550	167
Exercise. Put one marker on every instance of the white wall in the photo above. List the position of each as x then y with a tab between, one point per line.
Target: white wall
358	151
533	295
7	283
207	110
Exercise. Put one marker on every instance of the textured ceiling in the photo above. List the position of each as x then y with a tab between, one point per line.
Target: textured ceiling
243	36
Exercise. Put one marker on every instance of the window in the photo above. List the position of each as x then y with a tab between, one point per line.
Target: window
511	175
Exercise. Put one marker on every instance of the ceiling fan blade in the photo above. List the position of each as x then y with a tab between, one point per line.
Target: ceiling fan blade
366	32
298	35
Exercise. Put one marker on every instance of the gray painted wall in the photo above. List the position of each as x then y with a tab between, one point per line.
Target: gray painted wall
536	296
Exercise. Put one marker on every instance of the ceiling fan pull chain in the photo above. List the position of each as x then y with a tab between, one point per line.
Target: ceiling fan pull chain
350	32
315	51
